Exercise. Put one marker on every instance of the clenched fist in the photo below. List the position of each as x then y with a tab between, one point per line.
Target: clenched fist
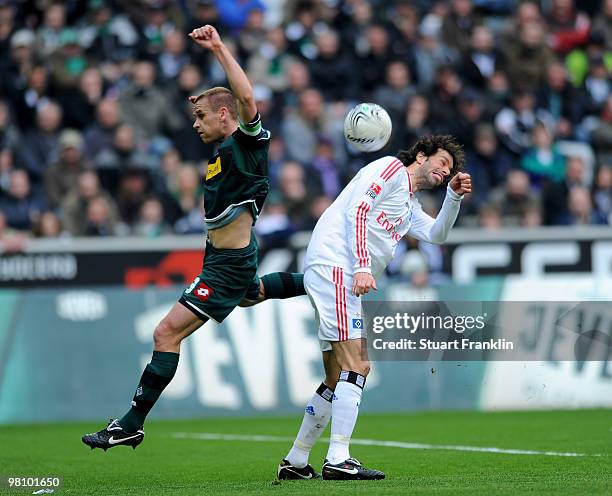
207	37
461	183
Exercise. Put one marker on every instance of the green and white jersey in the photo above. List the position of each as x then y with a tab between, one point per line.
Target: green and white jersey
237	175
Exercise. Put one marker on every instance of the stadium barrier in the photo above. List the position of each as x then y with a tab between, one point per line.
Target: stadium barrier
71	349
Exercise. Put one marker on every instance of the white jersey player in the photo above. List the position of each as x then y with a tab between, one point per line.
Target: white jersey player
351	245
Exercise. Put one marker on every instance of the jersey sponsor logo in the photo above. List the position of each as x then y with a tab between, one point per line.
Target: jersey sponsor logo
203	292
374	190
357	323
389	226
213	169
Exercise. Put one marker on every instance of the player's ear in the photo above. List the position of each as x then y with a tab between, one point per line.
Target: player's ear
420	158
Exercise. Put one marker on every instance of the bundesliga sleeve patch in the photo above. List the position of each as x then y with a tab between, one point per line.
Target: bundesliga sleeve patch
374	190
203	292
213	169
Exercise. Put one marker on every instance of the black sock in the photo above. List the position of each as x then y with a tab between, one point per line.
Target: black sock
156	376
279	285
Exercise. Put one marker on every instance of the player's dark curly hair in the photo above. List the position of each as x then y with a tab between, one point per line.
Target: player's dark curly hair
429	145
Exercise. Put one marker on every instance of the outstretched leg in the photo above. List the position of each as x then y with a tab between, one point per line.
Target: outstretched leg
169	333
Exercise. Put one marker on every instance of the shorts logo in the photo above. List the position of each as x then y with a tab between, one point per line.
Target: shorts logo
374	190
357	323
213	169
203	292
310	410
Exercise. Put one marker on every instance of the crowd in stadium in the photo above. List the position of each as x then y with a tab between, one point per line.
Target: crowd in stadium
96	133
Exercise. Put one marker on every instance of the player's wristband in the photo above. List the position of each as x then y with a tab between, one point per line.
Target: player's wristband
452	194
367	270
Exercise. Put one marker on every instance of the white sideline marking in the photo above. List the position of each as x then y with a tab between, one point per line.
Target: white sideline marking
209	436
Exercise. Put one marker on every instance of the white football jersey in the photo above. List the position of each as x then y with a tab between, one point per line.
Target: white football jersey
361	229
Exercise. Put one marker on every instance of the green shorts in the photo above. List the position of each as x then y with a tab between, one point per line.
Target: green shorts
227	277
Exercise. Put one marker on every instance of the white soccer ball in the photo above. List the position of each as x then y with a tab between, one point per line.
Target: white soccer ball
367	127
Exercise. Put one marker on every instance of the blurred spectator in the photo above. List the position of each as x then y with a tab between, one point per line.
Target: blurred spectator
274	227
145	107
489	217
372	63
568	27
482	58
20	207
561	100
48	35
98	218
555	194
527	58
459	24
7	28
63	175
579	60
35	93
108	36
48	225
471	113
74	205
601	137
155	27
597	84
430	52
487	163
300	28
132	193
270	62
302	127
39	146
173	56
188	196
514	197
331	70
234	15
396	91
69	61
292	186
9	134
252	35
580	209
11	240
19	63
602	193
80	103
515	123
6	169
602	24
150	222
99	134
327	170
543	160
444	100
416	123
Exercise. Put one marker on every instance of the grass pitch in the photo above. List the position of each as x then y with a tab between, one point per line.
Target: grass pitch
168	465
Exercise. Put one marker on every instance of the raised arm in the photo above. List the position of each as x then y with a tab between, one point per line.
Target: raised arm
208	37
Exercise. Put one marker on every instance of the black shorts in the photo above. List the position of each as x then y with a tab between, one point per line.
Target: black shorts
227	277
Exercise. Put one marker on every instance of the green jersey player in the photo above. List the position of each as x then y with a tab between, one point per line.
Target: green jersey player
236	186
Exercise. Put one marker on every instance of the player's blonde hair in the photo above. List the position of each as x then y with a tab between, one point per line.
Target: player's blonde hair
218	97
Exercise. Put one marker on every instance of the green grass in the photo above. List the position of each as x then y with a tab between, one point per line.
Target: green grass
166	465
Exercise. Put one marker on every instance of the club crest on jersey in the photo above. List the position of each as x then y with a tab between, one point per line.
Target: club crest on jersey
203	292
357	323
213	169
374	190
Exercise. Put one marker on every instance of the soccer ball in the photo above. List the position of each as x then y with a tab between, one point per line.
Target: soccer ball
367	127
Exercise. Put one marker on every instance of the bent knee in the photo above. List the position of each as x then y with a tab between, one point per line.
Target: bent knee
164	334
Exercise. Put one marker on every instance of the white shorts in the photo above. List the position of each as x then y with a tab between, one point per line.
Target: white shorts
338	312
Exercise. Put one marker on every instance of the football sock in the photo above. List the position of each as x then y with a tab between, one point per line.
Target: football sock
345	408
316	418
283	285
156	376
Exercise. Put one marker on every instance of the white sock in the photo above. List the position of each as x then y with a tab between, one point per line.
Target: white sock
316	418
345	409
